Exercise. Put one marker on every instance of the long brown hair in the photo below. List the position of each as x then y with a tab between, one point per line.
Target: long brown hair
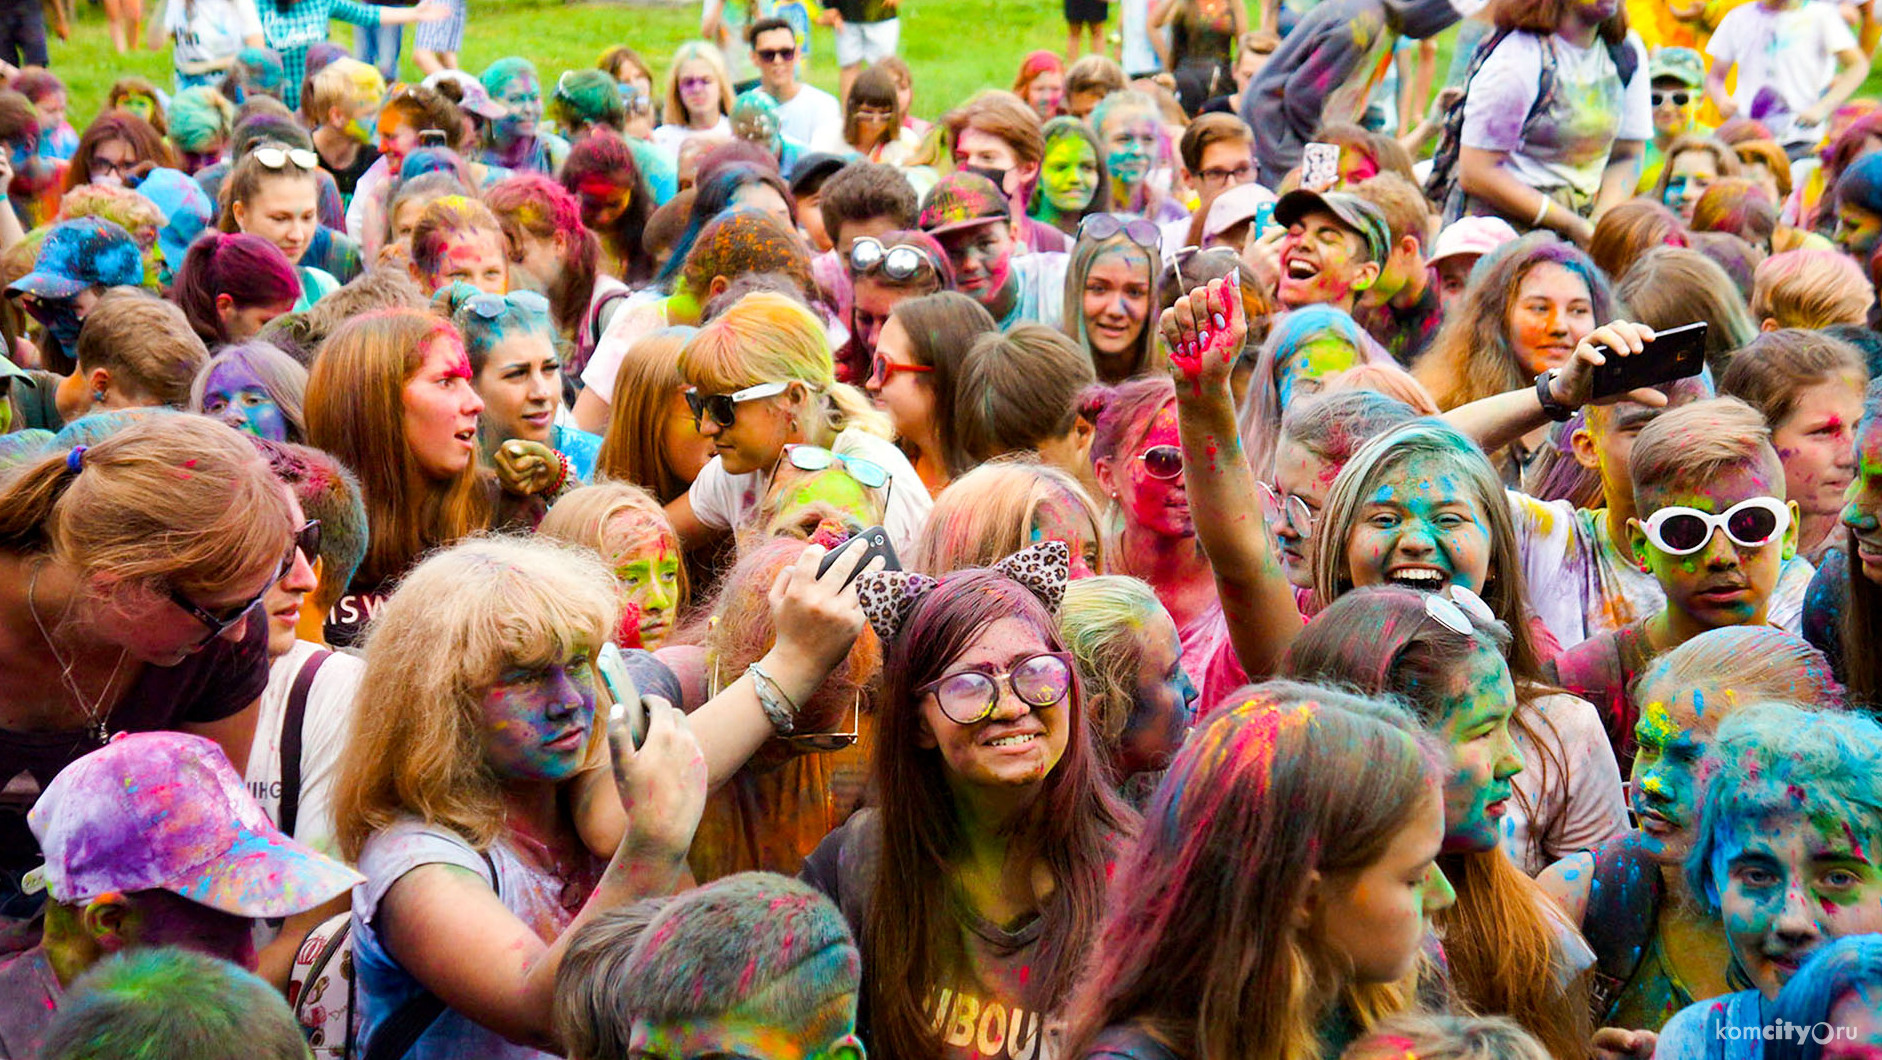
1201	943
146	143
1501	944
356	411
647	383
912	935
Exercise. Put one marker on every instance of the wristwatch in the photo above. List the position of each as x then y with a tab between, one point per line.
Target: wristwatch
1551	408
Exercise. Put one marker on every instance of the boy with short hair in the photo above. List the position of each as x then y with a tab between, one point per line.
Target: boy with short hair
754	964
1796	61
1088	81
1809	289
341	104
1315	269
861	199
1402	308
1713	527
167	1003
135	350
966	213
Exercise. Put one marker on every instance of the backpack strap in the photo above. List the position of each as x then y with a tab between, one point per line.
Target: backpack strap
1442	180
1621	915
292	738
395	1037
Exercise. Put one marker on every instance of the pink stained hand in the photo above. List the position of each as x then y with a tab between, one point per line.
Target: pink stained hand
1205	331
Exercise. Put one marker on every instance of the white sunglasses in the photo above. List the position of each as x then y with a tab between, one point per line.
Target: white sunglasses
1754	523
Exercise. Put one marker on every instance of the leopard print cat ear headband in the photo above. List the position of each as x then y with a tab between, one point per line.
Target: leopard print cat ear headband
888	596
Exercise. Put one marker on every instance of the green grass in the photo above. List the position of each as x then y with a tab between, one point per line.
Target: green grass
955	47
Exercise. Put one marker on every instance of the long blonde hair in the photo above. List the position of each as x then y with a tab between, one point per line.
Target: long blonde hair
460	619
987	514
1102	620
769	338
181	500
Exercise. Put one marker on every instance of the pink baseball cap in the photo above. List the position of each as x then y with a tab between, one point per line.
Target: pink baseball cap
1239	203
165	811
1471	235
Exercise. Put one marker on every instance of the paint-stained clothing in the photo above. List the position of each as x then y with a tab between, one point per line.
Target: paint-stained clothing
328	715
1405	332
304	23
1581	584
29	995
1569	795
1789	54
213	684
540	898
723	500
1209	659
1326	68
989	1013
1600	670
1559	144
1719	1029
1825	605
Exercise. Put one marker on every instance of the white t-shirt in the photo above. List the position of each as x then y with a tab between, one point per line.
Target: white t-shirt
323	739
813	117
1588	110
1792	52
723	500
668	138
1571	815
1041	281
1580	584
1140	56
215	29
637	316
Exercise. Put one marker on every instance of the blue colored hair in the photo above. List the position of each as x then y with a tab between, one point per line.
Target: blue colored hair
1831	973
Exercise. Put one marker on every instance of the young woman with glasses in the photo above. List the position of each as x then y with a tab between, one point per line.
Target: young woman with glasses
273	192
872	120
760	378
918	357
130	574
1112	281
976	883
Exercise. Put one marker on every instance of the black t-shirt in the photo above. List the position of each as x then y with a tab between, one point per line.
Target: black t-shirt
211	685
347	179
864	11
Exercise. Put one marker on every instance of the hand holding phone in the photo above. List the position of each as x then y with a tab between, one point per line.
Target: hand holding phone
874	542
1676	353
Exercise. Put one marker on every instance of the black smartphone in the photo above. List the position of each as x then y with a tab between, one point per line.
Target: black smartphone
874	542
431	138
1676	353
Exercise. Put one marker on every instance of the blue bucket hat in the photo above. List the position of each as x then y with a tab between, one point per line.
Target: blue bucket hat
186	211
80	253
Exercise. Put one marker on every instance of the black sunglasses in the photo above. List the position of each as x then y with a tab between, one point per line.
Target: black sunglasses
722	409
772	55
306	543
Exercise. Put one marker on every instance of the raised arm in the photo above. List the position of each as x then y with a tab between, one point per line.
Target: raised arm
447	927
1500	419
1205	330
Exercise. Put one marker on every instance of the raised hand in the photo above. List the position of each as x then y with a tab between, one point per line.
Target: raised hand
1573	384
1205	331
528	468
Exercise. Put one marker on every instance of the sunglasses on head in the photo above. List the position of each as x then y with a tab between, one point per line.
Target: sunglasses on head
1461	612
1102	226
722	409
306	543
1754	523
903	261
772	55
1678	99
969	696
277	156
1163	462
491	306
817	458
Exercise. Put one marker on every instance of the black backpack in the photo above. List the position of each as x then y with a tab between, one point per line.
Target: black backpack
1441	186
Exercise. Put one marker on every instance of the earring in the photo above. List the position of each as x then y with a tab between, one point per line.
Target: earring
97	397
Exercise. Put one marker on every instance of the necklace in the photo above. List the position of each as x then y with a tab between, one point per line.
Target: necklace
93	723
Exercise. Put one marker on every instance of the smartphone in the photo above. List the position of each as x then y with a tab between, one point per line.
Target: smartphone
1676	353
628	717
874	542
1264	216
431	138
1320	166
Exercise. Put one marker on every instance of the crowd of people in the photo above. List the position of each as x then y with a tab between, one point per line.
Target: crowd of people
1233	553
